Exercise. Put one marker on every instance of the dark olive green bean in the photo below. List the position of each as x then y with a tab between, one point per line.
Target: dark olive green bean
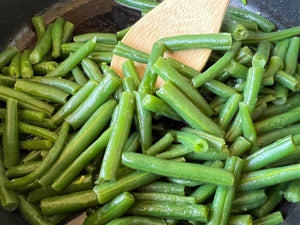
39	26
14	68
26	69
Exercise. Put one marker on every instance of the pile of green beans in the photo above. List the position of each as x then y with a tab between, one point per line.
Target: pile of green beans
219	146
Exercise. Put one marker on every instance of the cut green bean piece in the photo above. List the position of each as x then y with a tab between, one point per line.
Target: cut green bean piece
261	57
22	169
113	209
10	138
239	146
79	76
287	80
271	219
292	193
57	33
7	55
112	157
174	150
105	38
26	69
14	68
137	220
91	69
237	30
67	32
125	51
39	26
163	187
291	57
176	169
73	60
36	144
160	145
43	68
281	48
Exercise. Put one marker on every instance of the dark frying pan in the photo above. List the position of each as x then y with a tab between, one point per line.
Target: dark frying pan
106	16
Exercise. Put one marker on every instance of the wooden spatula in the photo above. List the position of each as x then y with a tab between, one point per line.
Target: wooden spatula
170	18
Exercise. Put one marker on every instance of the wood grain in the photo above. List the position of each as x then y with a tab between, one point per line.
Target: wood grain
170	18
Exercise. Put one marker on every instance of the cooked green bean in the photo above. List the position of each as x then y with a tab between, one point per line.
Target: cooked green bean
128	52
57	33
36	144
42	47
67	32
291	57
163	187
292	194
263	23
91	69
274	65
7	81
286	80
73	60
160	145
281	48
239	146
74	102
22	169
26	69
14	68
244	55
172	211
57	82
83	138
47	162
7	55
39	26
176	169
79	76
212	71
249	24
237	30
96	98
9	200
10	138
43	68
114	209
132	144
81	161
116	144
237	70
271	219
42	91
261	57
137	220
74	46
245	219
174	150
129	70
104	38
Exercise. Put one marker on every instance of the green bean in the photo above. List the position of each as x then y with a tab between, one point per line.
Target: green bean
237	30
246	201
81	161
273	36
73	46
110	189
263	23
7	81
269	154
184	107
43	68
286	80
73	60
7	55
219	88
281	94
42	47
46	123
81	183
266	177
22	169
211	154
47	162
10	138
9	200
83	138
128	52
239	146
137	220
281	48
271	219
245	219
129	70
91	69
96	98
39	26
116	144
160	145
114	209
36	144
100	57
237	70
121	33
104	38
224	196
14	69
174	150
291	57
292	194
74	102
163	187
139	4
203	192
79	77
144	118
176	169
68	203
249	24
32	157
171	211
244	55
162	197
277	121
57	33
249	131
229	110
31	212
212	71
41	90
220	41
261	57
132	144
129	84
275	195
59	83
26	69
274	65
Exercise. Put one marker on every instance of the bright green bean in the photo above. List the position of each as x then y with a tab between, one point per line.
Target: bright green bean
160	145
26	69
57	33
91	69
